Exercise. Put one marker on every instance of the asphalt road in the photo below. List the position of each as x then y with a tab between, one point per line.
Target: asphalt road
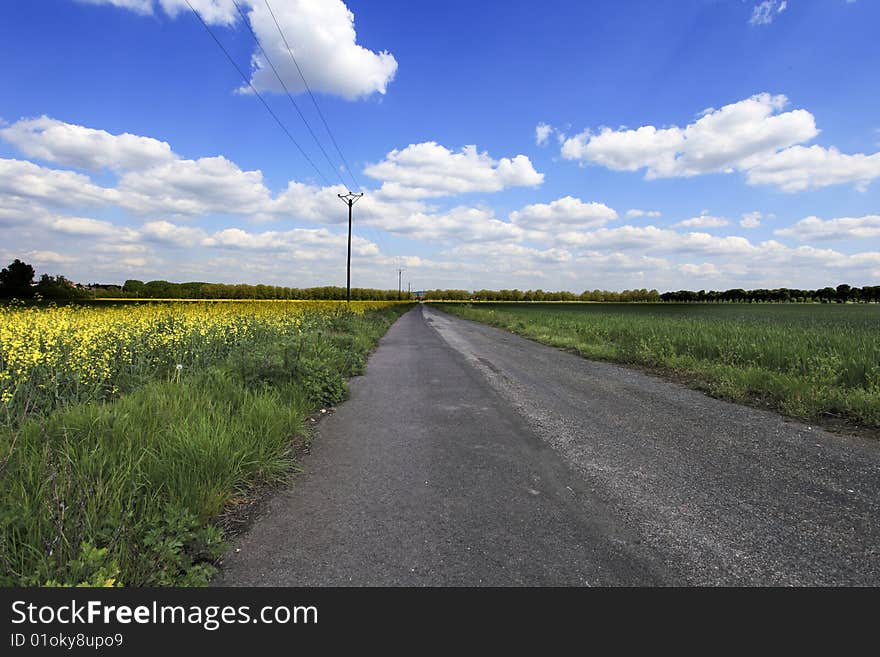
470	456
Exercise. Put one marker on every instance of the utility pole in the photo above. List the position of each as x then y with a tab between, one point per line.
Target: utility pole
408	291
399	288
349	199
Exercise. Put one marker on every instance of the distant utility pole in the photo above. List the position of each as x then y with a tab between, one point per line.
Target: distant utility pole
408	291
349	199
399	288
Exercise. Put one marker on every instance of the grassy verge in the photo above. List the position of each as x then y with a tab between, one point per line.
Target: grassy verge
127	491
813	362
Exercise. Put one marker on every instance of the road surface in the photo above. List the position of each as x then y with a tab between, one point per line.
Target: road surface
470	456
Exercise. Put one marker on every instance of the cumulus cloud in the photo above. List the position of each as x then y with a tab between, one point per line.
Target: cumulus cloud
843	228
635	213
509	252
322	31
737	136
702	269
564	243
321	34
303	243
209	184
751	220
86	227
460	224
144	7
542	133
153	180
703	221
566	212
765	12
754	136
800	168
73	145
22	179
430	170
166	232
41	257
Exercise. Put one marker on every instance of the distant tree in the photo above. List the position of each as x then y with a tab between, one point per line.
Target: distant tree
16	281
843	293
58	287
133	286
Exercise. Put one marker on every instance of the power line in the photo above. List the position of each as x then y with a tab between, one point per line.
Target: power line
287	91
314	100
257	93
374	235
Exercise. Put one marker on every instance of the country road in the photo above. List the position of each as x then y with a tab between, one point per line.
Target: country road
470	456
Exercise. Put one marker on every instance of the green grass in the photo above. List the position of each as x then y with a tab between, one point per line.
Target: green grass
809	361
129	491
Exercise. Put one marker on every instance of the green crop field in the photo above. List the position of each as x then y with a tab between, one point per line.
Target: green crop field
810	361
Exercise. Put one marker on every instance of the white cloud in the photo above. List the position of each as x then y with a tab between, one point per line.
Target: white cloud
737	136
321	34
48	257
168	233
138	6
83	226
565	243
215	12
800	168
431	170
635	212
542	133
22	179
460	224
566	212
703	269
512	253
652	239
703	221
303	243
764	12
843	228
84	148
751	220
209	184
753	135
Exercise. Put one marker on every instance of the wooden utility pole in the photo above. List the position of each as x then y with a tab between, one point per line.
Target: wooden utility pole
399	287
349	199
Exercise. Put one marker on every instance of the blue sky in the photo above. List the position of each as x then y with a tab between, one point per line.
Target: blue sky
747	134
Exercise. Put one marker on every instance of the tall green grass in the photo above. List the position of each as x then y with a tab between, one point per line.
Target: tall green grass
129	491
808	361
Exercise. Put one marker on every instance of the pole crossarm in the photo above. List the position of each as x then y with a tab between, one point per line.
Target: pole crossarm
351	197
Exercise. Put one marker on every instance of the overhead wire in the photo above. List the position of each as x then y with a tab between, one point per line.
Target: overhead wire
312	96
258	95
287	91
372	234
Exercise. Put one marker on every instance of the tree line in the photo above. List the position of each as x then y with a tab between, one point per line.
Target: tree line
195	290
541	295
17	281
840	294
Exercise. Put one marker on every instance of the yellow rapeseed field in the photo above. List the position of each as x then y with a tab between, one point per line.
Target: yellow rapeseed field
51	355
